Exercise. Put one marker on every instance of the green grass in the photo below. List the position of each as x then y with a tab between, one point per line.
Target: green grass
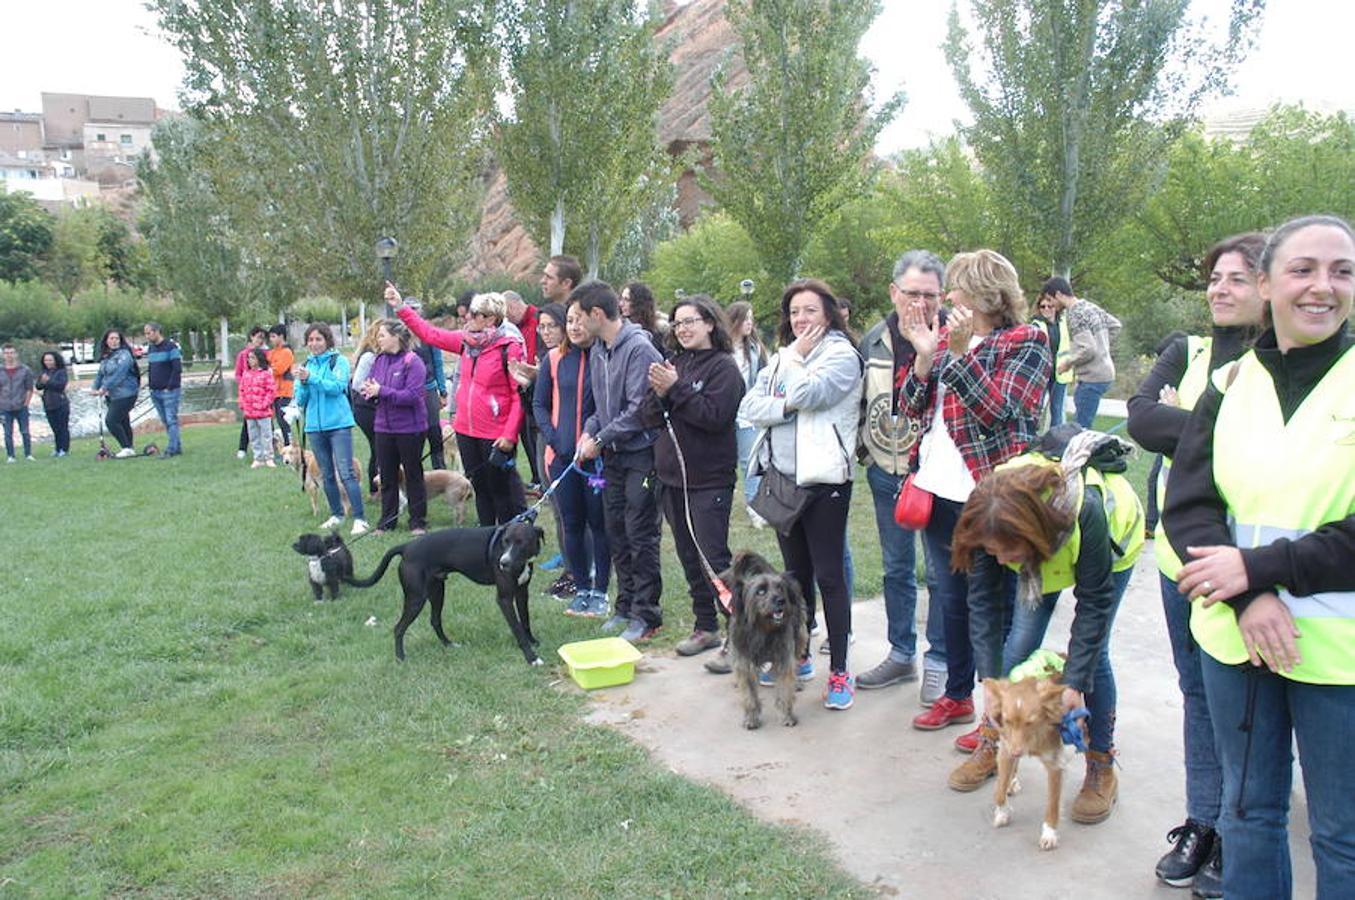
178	718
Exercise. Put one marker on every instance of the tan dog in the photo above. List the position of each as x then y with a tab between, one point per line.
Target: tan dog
450	451
451	486
1027	718
292	456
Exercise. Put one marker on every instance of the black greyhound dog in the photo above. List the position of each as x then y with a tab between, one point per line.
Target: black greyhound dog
501	556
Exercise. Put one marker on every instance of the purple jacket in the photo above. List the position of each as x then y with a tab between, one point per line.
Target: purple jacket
400	407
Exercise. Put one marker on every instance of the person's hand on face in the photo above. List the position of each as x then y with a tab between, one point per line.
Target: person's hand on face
961	322
923	333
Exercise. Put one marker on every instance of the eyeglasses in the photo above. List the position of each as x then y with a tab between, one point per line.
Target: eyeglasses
688	323
921	295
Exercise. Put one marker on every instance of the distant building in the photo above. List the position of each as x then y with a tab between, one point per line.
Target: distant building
51	182
20	133
100	136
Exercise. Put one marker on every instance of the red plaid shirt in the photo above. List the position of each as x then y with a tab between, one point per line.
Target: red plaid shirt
993	395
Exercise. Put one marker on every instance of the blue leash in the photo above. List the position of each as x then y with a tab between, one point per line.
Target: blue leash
1071	730
594	479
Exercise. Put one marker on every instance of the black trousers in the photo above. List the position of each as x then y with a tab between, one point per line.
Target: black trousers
530	437
365	417
710	519
498	492
119	419
393	453
280	403
59	419
433	403
630	503
814	553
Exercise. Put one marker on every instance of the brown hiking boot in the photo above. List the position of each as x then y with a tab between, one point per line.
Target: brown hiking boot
981	764
1099	790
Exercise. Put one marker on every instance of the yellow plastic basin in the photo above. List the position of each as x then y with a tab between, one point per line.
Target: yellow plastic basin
605	662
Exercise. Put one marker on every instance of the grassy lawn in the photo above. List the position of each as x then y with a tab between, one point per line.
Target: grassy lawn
178	718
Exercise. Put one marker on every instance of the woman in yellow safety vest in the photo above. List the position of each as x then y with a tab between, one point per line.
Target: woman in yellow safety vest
1261	501
1062	524
1049	318
1158	413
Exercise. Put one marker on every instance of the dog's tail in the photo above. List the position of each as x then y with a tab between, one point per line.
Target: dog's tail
381	567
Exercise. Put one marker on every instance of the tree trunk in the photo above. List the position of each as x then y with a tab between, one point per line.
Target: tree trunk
557	228
227	371
593	241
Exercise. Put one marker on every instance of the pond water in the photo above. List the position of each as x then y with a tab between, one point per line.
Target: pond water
199	393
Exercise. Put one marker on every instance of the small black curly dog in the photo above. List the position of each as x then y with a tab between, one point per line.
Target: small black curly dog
767	625
327	562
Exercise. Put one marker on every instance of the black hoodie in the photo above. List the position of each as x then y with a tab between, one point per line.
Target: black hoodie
702	405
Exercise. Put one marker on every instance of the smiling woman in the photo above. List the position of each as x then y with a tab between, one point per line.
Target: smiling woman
1269	573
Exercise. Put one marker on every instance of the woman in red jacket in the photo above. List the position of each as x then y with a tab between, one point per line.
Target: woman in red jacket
489	410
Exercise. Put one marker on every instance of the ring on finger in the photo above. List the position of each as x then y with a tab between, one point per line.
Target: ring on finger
1208	586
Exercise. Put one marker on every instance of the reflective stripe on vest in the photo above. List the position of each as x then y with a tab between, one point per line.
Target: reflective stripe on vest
1284	480
1193	382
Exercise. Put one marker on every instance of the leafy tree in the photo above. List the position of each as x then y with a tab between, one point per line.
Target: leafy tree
854	252
1074	104
580	149
126	260
25	237
790	143
75	261
335	123
712	257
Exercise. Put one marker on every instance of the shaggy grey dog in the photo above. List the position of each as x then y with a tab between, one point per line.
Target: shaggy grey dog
766	626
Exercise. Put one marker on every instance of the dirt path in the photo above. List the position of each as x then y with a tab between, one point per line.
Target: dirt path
875	788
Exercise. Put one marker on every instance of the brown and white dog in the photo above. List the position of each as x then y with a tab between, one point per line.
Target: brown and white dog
292	456
766	628
1027	717
451	486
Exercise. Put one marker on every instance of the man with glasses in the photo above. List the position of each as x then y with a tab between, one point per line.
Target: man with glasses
887	435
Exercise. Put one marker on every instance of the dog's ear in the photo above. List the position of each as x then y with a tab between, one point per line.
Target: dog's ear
1051	697
998	688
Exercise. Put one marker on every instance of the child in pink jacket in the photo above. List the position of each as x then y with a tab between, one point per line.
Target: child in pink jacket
257	390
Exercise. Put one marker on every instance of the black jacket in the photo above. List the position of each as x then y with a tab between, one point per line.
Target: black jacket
1196	516
702	406
1156	426
52	383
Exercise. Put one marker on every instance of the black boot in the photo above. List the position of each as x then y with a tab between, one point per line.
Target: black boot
1193	844
1209	880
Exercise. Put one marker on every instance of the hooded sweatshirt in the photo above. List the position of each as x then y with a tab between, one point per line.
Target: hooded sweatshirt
324	393
620	376
701	405
400	405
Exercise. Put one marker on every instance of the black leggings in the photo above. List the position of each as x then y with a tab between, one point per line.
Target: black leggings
433	403
498	492
119	419
395	452
814	552
365	417
59	418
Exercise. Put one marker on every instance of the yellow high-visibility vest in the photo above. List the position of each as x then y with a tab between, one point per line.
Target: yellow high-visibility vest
1189	391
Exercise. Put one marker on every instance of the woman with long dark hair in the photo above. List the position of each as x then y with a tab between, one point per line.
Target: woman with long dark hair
637	305
696	392
118	381
322	392
807	401
52	381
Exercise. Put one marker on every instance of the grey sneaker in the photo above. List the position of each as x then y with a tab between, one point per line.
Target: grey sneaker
638	631
615	623
594	606
891	671
933	685
578	603
698	642
719	664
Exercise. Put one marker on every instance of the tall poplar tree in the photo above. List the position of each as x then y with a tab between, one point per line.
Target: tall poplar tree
791	141
1075	102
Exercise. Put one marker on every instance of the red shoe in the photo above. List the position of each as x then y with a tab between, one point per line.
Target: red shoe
969	741
945	711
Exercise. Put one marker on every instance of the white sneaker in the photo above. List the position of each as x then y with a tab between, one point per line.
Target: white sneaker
239	454
331	523
360	527
124	453
9	459
30	458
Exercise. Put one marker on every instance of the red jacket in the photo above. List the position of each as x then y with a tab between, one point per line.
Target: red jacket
256	393
487	401
530	338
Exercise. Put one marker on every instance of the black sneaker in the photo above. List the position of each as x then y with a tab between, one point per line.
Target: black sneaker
1209	880
1194	844
563	588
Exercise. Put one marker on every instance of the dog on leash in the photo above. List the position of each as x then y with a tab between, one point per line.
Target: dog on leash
766	628
501	556
451	452
292	456
328	562
451	486
1027	718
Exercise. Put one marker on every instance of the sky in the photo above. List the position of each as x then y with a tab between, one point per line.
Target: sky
112	47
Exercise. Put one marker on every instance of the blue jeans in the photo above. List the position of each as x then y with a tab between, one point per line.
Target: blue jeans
1057	391
898	547
585	544
746	437
1255	817
1028	630
336	448
950	592
9	417
167	408
1086	398
1204	778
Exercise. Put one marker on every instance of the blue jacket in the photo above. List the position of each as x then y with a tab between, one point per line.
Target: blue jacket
560	427
435	378
324	393
164	366
117	375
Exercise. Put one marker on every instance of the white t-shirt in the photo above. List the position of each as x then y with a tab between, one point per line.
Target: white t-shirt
942	468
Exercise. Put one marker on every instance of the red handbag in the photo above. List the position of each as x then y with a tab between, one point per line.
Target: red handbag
913	508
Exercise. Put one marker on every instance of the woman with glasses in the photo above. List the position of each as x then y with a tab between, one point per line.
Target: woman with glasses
1049	319
697	391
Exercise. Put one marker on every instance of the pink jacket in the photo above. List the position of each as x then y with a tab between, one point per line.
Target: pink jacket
257	391
487	401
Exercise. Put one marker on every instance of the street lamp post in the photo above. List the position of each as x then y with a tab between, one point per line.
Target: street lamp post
386	250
